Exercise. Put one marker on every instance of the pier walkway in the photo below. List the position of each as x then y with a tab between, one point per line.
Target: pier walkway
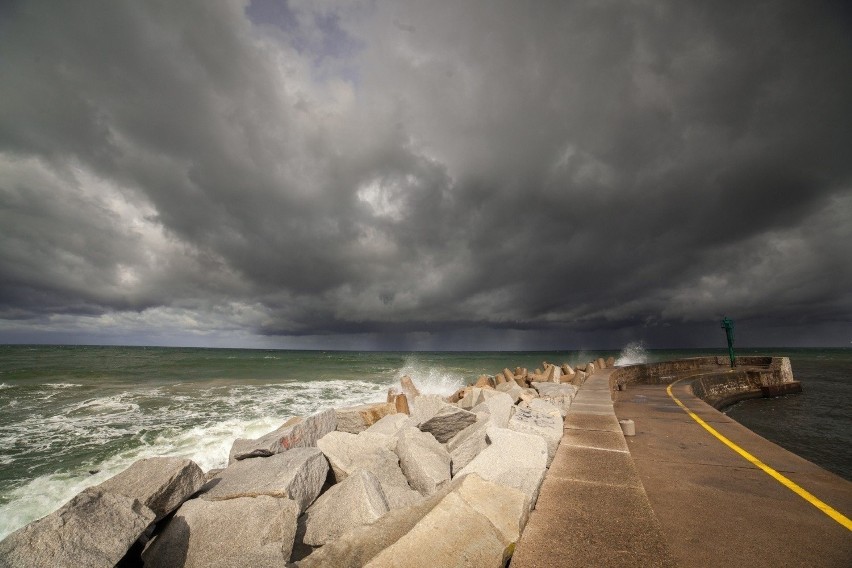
674	494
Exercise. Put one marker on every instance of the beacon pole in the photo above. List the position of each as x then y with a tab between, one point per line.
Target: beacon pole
728	326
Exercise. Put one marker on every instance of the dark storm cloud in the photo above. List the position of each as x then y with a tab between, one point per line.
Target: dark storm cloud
476	173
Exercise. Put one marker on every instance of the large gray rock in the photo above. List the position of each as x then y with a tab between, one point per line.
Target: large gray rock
93	529
348	453
512	389
246	531
357	500
390	424
548	426
424	461
512	458
559	395
467	444
160	483
542	406
356	419
298	474
486	520
454	535
499	408
447	422
356	547
292	434
425	407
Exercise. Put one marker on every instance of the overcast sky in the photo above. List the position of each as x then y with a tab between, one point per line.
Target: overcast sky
425	175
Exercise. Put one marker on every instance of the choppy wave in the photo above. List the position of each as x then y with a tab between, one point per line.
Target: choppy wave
72	436
634	353
5	386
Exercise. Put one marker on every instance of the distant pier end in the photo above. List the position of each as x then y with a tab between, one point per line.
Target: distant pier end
713	381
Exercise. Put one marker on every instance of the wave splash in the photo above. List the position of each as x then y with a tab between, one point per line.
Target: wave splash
634	353
431	380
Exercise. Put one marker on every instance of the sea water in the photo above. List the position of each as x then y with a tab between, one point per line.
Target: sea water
73	416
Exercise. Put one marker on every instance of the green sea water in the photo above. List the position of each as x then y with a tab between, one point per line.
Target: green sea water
72	416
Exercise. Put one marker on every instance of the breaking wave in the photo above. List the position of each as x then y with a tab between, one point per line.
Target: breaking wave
634	353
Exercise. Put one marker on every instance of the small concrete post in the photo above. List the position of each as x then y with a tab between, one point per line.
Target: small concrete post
628	427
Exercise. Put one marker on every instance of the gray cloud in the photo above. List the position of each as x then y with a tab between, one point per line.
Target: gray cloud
362	174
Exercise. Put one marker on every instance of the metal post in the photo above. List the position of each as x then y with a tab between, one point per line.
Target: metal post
728	326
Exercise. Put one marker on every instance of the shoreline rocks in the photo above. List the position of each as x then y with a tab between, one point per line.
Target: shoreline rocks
368	485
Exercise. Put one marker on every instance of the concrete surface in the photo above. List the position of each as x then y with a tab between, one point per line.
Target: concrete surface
717	509
592	509
674	495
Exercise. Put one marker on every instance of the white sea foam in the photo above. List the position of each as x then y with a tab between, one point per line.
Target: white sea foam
431	380
633	354
61	385
199	422
4	386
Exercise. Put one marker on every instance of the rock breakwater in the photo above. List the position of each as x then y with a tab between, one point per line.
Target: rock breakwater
415	480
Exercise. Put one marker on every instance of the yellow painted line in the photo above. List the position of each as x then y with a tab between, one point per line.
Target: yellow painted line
797	489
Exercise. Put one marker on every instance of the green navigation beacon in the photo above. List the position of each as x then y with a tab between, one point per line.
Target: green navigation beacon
728	326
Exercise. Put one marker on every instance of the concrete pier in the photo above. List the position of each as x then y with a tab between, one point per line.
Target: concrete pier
676	495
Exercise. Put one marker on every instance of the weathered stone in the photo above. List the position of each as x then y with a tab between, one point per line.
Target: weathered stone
566	369
485	381
448	422
506	507
298	474
514	459
392	393
547	426
485	518
581	367
356	419
610	362
566	378
348	453
467	444
408	388
246	531
357	546
401	404
559	395
512	389
590	368
510	376
578	379
425	407
295	433
471	398
499	379
159	483
357	500
390	424
600	363
457	396
528	394
95	528
499	407
424	461
553	374
542	406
